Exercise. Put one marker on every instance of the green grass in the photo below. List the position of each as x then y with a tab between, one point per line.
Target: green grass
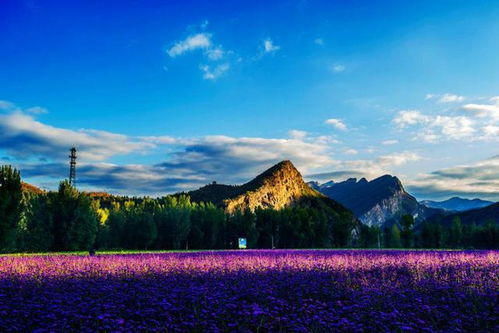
85	253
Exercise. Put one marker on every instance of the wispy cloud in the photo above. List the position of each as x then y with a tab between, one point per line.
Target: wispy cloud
484	110
468	122
193	42
480	179
23	136
215	53
389	142
214	72
338	68
337	123
319	41
269	46
383	164
446	98
211	52
350	151
433	128
297	134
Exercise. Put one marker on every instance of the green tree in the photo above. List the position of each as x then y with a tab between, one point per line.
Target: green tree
38	233
395	241
341	227
456	233
407	234
75	220
10	206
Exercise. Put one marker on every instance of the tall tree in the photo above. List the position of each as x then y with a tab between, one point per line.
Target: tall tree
10	206
75	220
407	234
456	233
395	237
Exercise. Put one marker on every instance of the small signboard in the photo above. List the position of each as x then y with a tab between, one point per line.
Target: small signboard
242	243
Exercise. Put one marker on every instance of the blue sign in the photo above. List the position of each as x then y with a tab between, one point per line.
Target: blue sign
242	243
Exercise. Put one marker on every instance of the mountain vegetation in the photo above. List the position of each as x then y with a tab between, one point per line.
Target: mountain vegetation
275	210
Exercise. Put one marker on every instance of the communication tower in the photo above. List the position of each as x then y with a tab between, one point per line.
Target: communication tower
72	166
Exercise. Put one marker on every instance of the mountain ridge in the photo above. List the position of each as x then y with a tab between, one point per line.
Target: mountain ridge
278	187
478	216
379	202
457	204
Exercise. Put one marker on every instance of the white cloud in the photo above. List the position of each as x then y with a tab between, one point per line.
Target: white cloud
337	123
470	122
297	134
427	135
6	105
457	127
450	98
338	68
216	53
379	166
397	159
350	152
446	98
491	131
483	110
269	46
406	118
479	179
22	136
214	72
432	128
390	142
319	41
193	42
36	110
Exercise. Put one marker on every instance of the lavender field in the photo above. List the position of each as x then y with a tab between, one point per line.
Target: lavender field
281	290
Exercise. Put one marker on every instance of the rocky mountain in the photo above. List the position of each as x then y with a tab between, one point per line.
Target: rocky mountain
378	202
278	187
479	216
457	204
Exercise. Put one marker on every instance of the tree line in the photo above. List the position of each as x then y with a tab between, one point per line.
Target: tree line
69	220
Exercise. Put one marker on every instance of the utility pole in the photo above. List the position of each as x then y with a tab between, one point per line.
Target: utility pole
72	166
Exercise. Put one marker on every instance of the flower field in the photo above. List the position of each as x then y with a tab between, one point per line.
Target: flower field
278	290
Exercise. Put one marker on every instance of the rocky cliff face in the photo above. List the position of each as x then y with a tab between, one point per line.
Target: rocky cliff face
280	186
379	202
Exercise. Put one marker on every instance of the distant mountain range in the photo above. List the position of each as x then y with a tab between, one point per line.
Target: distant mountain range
378	202
279	187
457	204
479	216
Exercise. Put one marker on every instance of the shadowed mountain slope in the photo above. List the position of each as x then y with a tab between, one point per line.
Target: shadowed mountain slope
478	216
378	202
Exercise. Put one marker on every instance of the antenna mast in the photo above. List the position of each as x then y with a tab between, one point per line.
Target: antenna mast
72	166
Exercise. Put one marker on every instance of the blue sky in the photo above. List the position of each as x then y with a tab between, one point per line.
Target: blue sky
162	96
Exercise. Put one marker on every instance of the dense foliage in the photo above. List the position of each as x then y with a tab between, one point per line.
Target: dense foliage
251	291
68	220
10	205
